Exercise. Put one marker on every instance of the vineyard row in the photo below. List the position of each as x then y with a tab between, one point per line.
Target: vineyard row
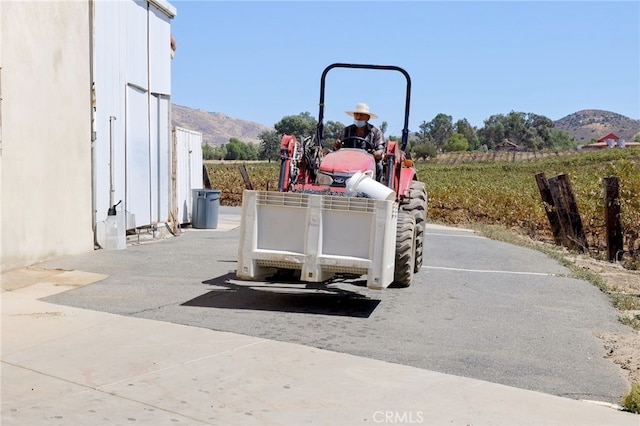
500	192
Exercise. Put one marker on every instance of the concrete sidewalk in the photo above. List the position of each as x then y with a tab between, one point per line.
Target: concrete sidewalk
70	366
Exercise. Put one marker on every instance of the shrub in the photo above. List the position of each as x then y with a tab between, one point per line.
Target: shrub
631	401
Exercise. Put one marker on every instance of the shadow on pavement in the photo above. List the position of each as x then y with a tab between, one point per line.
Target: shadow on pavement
283	296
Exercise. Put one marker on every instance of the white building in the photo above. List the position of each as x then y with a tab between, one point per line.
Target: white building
85	89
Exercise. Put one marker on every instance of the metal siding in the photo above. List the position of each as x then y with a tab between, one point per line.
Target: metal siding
164	158
120	56
195	161
160	159
159	52
165	7
136	46
153	158
110	83
122	70
138	197
183	176
188	159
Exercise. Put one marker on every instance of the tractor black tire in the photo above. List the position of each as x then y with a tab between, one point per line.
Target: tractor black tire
416	205
405	250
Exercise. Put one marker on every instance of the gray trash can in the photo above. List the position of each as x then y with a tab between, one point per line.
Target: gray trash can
204	211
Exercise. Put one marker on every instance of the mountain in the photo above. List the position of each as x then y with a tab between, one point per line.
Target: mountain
216	127
589	124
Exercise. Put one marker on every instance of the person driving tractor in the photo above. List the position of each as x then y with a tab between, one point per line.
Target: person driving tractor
363	135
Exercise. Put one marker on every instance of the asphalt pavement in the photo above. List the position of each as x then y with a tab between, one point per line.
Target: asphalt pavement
140	336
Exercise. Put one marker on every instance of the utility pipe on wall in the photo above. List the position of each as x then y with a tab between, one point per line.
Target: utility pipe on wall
112	189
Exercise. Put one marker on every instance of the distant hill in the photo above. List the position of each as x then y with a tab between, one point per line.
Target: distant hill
591	124
216	127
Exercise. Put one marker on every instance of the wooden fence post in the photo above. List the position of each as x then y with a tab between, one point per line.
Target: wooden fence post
574	214
245	176
615	245
561	211
205	177
549	207
567	209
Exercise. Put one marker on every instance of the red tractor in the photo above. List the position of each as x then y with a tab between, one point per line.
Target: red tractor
306	169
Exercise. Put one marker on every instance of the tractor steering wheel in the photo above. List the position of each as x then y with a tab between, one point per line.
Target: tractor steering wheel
368	145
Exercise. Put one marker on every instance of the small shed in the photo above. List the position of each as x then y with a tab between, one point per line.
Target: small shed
507	145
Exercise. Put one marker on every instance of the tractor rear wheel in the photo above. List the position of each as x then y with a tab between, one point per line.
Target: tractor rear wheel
416	205
405	250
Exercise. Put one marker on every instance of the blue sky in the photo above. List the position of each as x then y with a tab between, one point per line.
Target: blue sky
262	60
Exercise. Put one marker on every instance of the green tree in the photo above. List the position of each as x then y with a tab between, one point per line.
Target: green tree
526	129
252	150
238	150
213	152
302	125
234	149
464	128
423	133
331	131
456	142
219	153
439	129
269	145
493	131
515	128
561	139
424	150
207	152
410	144
538	133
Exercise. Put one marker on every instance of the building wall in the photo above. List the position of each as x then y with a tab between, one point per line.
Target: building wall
132	118
56	132
45	160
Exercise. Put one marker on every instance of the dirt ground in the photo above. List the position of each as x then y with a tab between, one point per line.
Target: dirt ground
622	348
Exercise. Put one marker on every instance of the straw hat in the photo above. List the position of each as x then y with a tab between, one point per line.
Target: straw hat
362	108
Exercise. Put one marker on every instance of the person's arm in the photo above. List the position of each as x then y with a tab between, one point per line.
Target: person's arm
378	143
338	142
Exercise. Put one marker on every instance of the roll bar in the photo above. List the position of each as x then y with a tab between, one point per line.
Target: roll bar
405	129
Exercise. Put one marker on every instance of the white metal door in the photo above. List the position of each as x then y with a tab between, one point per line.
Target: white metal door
160	158
138	198
188	170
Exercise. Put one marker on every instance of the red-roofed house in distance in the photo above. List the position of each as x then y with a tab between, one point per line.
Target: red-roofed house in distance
610	141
